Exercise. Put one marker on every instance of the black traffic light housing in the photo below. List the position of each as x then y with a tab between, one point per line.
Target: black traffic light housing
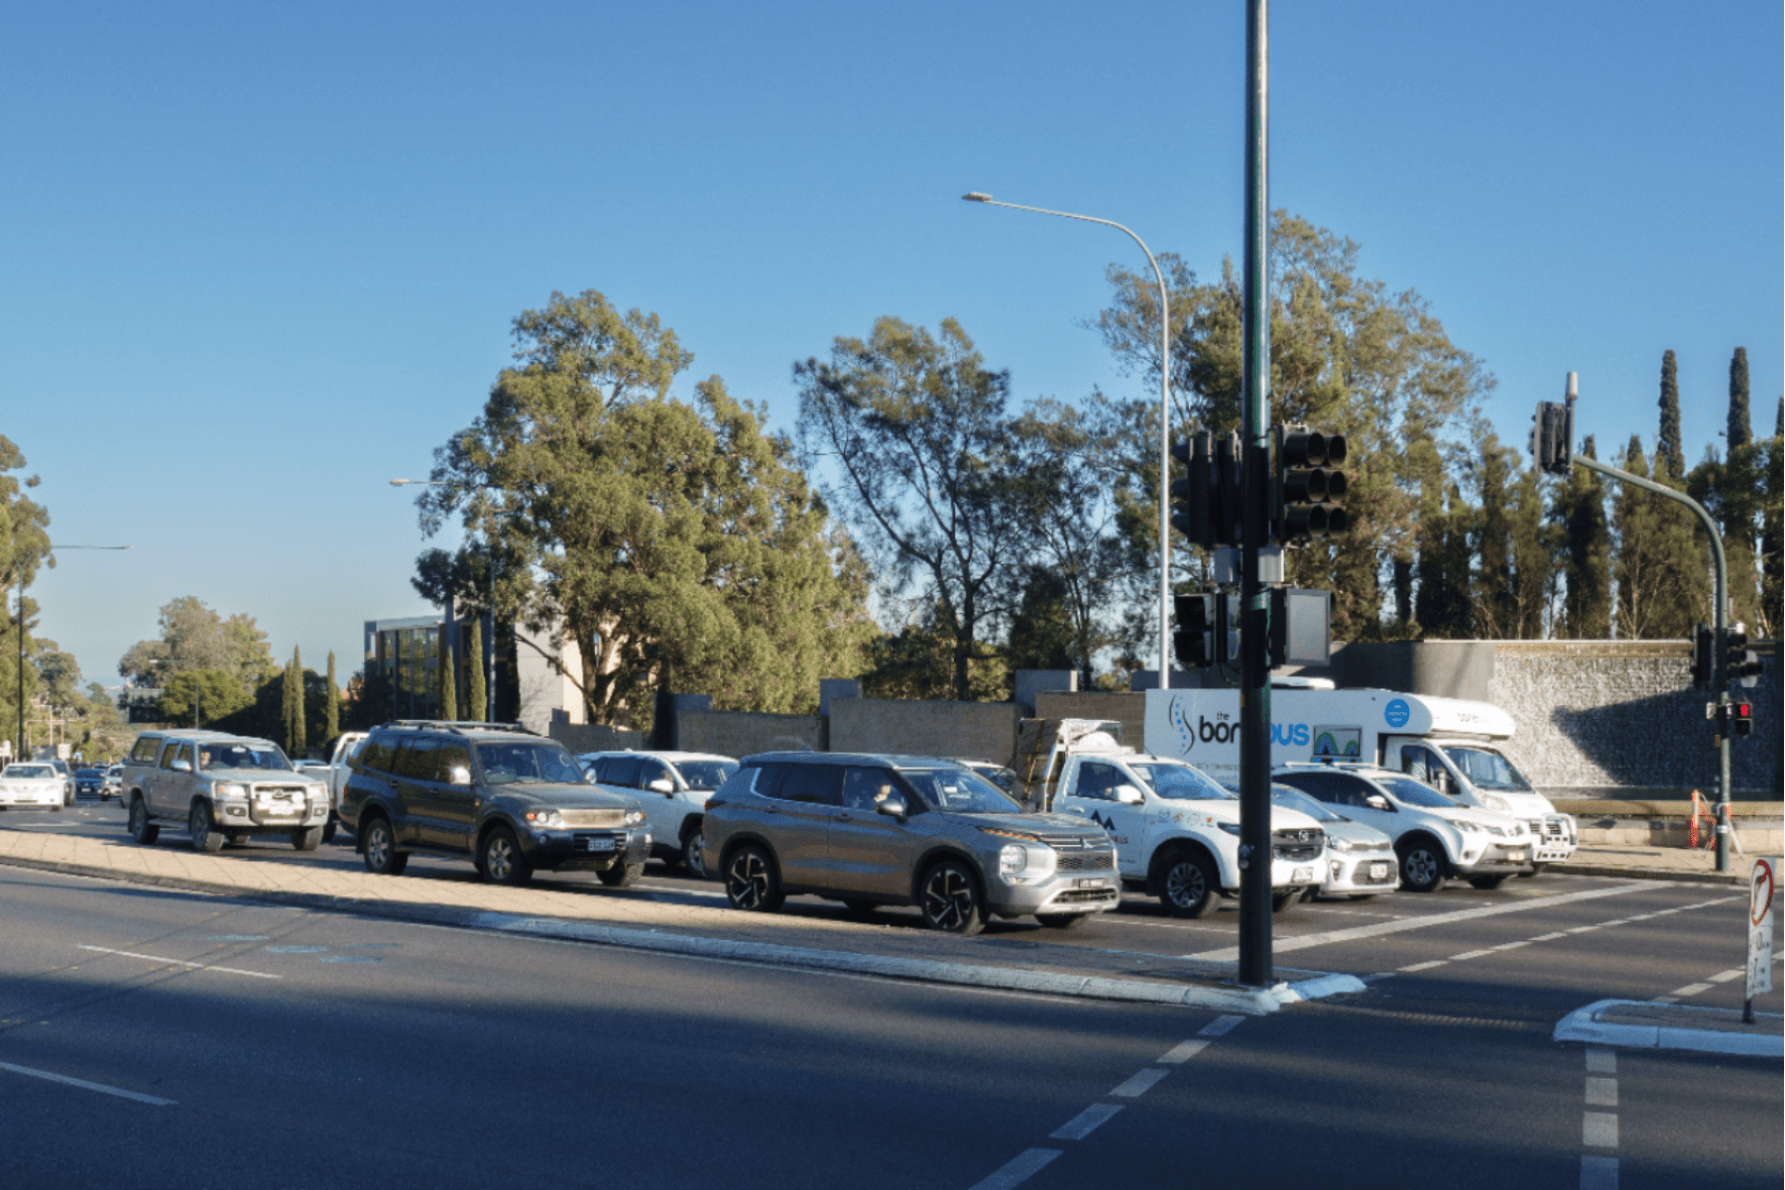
1308	492
1704	643
1551	434
1206	498
1194	641
1741	662
1741	719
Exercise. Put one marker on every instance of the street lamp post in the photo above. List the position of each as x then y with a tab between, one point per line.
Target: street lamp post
21	627
489	669
1164	421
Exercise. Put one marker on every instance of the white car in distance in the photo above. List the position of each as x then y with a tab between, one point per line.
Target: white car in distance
671	787
31	784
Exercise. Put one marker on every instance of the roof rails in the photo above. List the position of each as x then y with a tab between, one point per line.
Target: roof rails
458	726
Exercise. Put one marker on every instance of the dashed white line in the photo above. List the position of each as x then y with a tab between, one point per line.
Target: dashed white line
1083	1124
152	1100
1221	1026
1602	1061
1183	1051
1469	954
1426	966
1602	1092
1024	1165
1691	989
1599	1129
1138	1084
155	958
1726	976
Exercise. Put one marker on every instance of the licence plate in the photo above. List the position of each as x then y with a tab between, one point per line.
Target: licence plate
1090	882
1379	871
1303	875
598	844
1517	857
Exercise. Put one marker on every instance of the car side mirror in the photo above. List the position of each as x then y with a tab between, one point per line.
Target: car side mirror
459	775
892	805
181	765
1128	795
662	785
1377	802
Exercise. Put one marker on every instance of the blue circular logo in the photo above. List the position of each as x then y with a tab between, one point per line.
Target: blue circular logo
1397	712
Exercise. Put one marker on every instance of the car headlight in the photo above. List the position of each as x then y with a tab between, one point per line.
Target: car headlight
1338	844
634	818
229	789
1012	860
545	818
1232	828
1468	828
1493	802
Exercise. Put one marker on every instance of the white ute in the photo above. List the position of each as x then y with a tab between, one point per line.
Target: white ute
1177	832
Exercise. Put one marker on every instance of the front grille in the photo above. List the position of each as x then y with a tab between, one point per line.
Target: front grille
1362	875
1072	842
296	792
1298	844
1084	896
1096	861
594	818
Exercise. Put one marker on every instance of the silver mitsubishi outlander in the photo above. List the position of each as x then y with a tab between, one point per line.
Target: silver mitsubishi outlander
872	830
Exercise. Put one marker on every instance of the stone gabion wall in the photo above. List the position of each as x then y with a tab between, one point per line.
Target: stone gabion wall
1596	715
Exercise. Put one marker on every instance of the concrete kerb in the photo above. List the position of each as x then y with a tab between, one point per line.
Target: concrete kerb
1675	875
1228	999
1590	1025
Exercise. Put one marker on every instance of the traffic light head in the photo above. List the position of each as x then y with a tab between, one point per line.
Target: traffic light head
1741	719
1741	663
1309	491
1703	656
1550	447
1194	641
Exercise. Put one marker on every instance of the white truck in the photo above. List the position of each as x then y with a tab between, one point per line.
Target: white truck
341	750
1176	831
1452	744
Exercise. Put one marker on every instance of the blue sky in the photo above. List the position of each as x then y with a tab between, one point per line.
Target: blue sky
256	261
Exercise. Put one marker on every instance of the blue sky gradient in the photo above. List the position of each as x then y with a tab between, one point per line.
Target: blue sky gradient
254	262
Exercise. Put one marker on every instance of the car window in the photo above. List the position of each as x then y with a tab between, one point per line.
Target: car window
706	774
650	770
454	754
231	755
144	752
1182	782
1294	799
29	772
767	777
541	763
959	791
1095	779
1487	769
1414	794
618	770
1322	786
379	754
813	783
864	787
418	759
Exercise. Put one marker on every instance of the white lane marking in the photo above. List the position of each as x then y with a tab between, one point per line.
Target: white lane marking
1665	1000
155	958
1139	1084
1691	989
1598	1173
1602	1092
1602	1061
684	892
152	1100
1020	1169
1581	929
1083	1124
1221	1026
1510	945
1427	966
1183	1051
1304	941
1599	1129
1726	976
1469	954
1549	937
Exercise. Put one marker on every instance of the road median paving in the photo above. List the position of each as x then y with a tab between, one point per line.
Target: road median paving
816	937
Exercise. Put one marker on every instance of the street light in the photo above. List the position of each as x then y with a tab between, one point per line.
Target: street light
1164	422
21	627
489	671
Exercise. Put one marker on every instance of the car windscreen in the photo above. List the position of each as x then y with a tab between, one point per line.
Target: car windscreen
29	772
264	757
528	764
959	791
1181	783
706	774
1414	793
1486	769
1295	799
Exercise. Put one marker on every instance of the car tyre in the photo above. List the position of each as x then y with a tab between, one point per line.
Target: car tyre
1062	921
1282	902
1422	865
500	860
381	854
950	899
328	833
691	852
307	839
141	829
1188	885
621	875
205	835
1489	883
751	881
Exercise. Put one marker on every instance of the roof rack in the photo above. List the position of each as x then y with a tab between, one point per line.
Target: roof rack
458	726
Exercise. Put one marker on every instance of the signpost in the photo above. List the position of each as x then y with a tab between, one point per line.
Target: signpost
1761	882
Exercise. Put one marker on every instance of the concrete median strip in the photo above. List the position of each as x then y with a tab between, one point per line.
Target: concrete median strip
1645	1024
1235	1000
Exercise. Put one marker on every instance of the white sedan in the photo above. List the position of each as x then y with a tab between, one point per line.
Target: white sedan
31	784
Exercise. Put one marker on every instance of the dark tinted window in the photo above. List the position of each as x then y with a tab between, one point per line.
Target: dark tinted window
454	755
144	752
1328	787
1097	780
707	774
419	759
378	754
816	783
863	787
618	770
650	770
768	777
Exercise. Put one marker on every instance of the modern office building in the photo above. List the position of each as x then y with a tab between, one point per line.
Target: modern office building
532	678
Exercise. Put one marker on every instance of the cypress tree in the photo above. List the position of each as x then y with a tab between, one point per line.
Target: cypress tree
1668	445
474	673
287	714
1771	612
1586	606
1637	569
299	725
449	686
332	725
1741	429
1496	610
1533	556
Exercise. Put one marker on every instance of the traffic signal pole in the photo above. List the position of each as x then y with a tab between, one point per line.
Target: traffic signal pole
1720	621
1255	684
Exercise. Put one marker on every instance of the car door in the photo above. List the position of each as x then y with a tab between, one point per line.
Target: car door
663	809
454	795
418	810
168	797
804	802
870	852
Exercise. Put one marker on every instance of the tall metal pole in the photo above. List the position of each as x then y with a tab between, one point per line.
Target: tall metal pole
1255	678
1164	421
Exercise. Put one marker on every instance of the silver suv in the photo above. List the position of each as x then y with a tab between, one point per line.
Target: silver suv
872	830
221	788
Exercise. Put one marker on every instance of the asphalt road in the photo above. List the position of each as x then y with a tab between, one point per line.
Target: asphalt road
299	1048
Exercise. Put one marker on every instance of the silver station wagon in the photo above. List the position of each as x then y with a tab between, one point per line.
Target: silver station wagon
871	830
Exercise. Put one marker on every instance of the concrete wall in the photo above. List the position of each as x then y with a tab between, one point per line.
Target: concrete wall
744	733
593	737
968	730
